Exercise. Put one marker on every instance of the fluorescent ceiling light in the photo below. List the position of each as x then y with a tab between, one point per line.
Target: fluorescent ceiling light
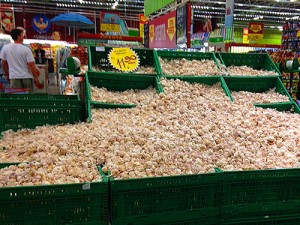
115	5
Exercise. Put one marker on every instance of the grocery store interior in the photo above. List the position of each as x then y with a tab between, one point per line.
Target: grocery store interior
152	112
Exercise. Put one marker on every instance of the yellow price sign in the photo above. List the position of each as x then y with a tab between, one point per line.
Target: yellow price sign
110	27
124	59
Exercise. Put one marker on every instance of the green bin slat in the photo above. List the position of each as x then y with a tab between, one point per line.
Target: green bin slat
208	80
257	61
161	200
256	84
31	110
76	204
171	55
280	106
249	194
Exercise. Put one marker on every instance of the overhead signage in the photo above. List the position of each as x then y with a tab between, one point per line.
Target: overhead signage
153	6
7	21
229	18
255	31
162	31
41	24
245	36
182	26
110	27
124	59
143	20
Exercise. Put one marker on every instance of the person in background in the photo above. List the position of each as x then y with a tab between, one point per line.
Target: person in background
39	55
18	62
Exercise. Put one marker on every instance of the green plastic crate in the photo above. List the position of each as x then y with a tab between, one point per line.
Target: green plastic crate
31	110
281	106
260	194
270	218
256	84
209	80
98	56
257	61
76	204
165	200
171	55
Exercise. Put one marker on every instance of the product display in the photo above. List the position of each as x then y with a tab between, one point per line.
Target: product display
127	97
185	67
268	97
165	136
248	71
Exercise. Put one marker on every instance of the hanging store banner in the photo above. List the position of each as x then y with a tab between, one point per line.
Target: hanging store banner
41	24
7	20
229	17
181	26
245	36
143	20
162	31
146	32
110	22
151	6
255	31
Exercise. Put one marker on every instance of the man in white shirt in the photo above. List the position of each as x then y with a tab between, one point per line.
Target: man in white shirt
18	62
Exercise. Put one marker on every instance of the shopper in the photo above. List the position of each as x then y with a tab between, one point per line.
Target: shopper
39	55
18	62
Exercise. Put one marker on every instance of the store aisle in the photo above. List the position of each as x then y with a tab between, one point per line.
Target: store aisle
53	87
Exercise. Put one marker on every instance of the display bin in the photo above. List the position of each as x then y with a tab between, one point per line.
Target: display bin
174	200
209	80
259	195
76	204
119	82
31	110
256	84
172	55
99	57
257	61
270	218
281	106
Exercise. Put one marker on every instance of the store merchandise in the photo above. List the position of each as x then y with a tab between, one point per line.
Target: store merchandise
188	129
248	71
291	35
185	67
269	97
81	53
127	97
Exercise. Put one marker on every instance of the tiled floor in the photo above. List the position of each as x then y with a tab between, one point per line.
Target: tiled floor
53	87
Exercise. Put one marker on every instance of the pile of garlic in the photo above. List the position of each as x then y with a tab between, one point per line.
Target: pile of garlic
130	96
185	67
49	172
270	96
248	71
140	69
188	129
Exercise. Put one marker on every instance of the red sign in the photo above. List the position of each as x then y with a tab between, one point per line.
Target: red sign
162	31
255	31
